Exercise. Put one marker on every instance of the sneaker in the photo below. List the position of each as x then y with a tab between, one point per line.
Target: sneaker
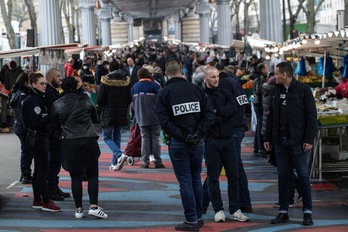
299	199
26	180
37	204
121	160
79	214
152	158
220	216
159	165
239	216
97	212
200	223
112	167
145	166
51	207
291	205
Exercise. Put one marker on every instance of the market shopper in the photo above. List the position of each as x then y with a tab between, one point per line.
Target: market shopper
73	115
185	114
290	130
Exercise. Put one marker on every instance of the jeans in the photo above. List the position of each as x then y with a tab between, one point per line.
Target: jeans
244	194
187	165
221	151
112	138
150	143
26	156
258	139
290	156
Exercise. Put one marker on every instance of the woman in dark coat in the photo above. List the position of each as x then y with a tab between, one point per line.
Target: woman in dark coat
73	116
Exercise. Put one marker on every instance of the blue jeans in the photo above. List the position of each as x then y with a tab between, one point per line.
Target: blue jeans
112	138
290	156
150	143
221	151
244	194
187	165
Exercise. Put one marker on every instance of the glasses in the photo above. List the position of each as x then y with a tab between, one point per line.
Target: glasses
42	83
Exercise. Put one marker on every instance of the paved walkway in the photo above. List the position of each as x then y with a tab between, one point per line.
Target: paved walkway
148	200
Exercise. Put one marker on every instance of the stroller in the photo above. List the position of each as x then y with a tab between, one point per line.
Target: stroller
133	149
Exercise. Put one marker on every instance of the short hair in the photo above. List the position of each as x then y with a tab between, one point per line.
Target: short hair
208	69
113	66
13	64
50	72
173	67
259	67
285	67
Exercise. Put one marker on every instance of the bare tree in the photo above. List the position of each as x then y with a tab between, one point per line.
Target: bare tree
311	11
33	18
19	12
6	13
294	15
68	9
234	9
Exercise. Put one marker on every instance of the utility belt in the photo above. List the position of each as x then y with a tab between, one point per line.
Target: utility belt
34	136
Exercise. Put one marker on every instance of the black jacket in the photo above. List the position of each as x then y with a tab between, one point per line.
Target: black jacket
134	77
114	98
225	107
236	90
183	108
258	80
35	113
16	102
73	116
51	95
302	114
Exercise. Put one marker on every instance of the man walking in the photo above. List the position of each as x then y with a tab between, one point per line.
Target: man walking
185	114
290	130
114	98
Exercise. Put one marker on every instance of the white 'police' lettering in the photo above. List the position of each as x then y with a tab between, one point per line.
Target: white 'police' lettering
242	100
186	108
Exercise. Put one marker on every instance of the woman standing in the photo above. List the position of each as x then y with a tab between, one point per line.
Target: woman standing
37	123
73	116
20	92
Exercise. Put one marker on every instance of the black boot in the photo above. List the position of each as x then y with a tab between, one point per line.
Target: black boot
281	218
54	194
64	194
307	219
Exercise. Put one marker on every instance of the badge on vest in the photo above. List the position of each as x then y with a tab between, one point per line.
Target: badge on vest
242	100
186	108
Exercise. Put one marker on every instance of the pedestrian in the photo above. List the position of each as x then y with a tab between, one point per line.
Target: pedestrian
20	92
144	95
113	99
38	124
220	149
290	130
185	115
73	115
54	78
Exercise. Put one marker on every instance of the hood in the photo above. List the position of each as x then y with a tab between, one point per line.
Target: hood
116	78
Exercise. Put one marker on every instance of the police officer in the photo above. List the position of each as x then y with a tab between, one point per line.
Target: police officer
185	114
37	123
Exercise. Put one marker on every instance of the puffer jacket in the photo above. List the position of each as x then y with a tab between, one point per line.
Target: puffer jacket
73	116
266	102
114	98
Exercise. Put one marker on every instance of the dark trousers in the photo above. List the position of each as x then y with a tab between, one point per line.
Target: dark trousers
92	174
39	182
55	163
258	139
26	156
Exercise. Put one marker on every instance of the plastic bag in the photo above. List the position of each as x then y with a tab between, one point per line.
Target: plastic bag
301	67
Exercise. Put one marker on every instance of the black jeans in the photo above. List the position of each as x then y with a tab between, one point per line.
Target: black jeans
39	183
26	156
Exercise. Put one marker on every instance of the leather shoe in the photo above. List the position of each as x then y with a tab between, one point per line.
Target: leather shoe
281	218
55	196
64	194
307	219
187	227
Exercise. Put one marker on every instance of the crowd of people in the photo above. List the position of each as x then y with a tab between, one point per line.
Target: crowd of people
198	102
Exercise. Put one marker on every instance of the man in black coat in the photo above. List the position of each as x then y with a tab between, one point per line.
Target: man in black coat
132	70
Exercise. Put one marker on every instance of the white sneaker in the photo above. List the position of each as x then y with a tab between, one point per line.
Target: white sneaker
79	214
112	167
239	216
152	158
121	160
220	216
98	212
